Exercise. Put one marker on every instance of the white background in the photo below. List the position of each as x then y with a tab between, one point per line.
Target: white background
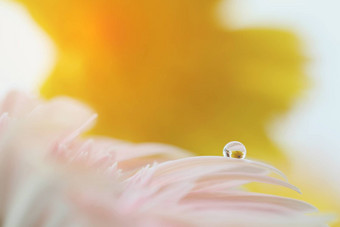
310	133
26	53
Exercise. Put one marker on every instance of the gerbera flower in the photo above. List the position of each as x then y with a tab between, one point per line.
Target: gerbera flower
50	176
166	71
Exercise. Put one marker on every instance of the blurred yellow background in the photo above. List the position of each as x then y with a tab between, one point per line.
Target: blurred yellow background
165	71
169	71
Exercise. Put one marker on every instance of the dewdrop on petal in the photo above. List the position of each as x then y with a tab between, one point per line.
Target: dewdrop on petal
234	149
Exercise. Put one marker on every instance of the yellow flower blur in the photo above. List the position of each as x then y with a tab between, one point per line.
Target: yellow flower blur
164	71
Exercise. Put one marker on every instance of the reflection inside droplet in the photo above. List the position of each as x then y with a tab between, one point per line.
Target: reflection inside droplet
234	149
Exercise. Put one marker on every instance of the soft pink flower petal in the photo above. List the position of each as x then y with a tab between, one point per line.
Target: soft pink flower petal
51	177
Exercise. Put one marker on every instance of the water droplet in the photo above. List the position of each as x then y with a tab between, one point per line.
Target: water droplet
234	149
